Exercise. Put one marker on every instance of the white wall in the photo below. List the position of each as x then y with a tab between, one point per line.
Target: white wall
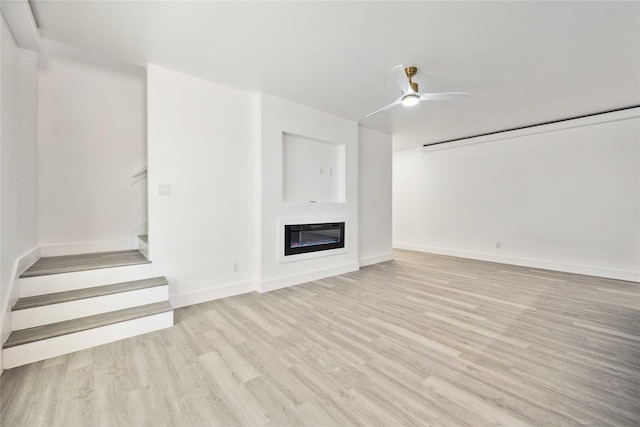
278	116
18	168
92	139
374	196
203	142
564	197
221	151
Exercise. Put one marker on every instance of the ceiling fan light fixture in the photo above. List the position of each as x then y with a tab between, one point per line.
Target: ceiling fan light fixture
410	95
410	100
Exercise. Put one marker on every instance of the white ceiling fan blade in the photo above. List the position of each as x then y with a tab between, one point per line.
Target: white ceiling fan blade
447	96
393	104
400	76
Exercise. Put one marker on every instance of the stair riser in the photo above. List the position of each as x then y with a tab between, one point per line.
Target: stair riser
40	285
37	316
40	350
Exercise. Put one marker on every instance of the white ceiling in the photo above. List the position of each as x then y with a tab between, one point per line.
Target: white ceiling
522	62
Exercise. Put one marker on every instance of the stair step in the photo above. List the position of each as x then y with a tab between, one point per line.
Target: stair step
39	333
60	297
83	262
67	304
144	238
19	355
53	283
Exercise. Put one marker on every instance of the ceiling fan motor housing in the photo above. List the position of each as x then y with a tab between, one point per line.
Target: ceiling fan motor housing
411	71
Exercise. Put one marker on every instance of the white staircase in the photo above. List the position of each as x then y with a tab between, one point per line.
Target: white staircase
69	303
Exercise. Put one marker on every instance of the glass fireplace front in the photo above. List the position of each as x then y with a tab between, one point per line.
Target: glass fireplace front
303	238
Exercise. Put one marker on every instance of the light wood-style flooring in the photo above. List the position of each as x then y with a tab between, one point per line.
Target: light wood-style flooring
91	261
421	340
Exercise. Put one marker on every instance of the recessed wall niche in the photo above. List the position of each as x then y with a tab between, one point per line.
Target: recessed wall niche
313	171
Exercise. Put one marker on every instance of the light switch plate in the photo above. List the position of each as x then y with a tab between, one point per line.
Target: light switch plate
164	189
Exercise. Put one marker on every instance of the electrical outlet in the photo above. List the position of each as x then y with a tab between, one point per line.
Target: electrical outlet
236	267
498	245
164	189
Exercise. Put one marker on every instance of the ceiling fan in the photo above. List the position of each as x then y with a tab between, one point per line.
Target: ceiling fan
410	95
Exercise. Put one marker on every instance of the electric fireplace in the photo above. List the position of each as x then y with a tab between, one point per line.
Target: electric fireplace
304	238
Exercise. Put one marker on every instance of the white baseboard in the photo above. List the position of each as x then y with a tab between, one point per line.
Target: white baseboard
143	247
588	270
284	282
88	247
27	260
140	229
376	259
210	294
19	267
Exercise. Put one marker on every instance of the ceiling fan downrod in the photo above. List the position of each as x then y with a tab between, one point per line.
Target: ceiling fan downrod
412	71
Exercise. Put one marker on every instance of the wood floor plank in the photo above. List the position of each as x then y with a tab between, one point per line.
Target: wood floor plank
421	340
477	404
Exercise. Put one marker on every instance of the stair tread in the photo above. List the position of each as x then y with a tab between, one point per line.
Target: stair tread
78	294
82	262
144	238
53	330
